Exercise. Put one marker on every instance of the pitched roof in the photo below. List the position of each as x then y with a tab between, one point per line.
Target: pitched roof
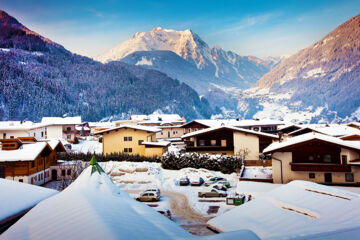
136	127
236	123
60	120
93	207
18	197
334	130
277	146
238	129
26	152
294	210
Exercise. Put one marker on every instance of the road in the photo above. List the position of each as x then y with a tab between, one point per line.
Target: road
185	216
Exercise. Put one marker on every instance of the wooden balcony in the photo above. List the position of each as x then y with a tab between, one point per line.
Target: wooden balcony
320	167
209	148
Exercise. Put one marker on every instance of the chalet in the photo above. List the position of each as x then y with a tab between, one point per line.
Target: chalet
170	133
266	126
130	139
61	127
315	157
228	141
26	160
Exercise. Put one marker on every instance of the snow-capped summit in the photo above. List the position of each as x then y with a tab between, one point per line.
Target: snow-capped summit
224	68
185	43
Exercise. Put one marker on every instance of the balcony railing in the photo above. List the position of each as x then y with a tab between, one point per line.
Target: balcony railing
209	148
320	167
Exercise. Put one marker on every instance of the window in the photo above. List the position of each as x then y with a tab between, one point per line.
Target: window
311	158
125	138
2	172
202	142
63	172
344	159
129	138
213	142
68	129
126	150
42	134
349	177
69	172
311	175
11	137
130	149
140	142
4	135
32	164
20	180
327	158
223	142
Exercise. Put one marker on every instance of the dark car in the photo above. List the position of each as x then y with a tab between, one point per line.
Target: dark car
184	181
197	181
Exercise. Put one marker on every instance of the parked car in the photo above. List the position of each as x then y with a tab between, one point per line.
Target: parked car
214	180
148	197
184	181
213	193
157	190
197	181
219	187
225	183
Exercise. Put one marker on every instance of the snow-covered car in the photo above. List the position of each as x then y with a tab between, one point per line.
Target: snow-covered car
219	187
212	193
198	181
157	190
214	180
184	181
148	197
225	183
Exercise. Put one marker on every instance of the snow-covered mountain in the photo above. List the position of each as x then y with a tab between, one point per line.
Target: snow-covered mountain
321	81
217	66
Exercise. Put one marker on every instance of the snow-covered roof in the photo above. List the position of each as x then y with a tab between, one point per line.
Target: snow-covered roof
136	127
61	120
18	125
158	117
237	123
158	144
93	207
308	137
26	152
101	124
294	210
18	197
334	130
354	123
238	129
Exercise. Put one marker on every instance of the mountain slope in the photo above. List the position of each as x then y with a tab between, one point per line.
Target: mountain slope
41	78
326	74
218	66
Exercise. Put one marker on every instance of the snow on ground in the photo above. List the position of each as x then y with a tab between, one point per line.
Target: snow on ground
93	207
257	172
140	176
295	210
87	146
16	197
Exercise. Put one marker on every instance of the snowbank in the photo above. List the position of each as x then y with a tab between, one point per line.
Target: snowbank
297	209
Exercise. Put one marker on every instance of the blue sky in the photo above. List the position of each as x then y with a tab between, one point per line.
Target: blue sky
258	28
